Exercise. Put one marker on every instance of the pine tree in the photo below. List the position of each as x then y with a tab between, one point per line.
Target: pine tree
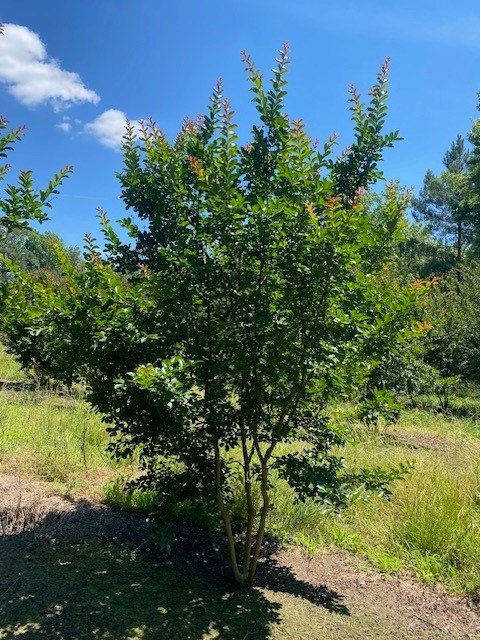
444	202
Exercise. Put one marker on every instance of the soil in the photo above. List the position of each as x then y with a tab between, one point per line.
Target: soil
422	441
71	569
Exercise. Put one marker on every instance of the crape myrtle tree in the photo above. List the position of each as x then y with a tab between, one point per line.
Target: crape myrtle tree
20	204
253	292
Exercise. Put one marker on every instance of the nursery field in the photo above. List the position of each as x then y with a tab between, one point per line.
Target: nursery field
76	559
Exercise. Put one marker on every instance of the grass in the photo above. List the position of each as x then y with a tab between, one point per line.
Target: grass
118	496
56	439
9	369
431	526
50	436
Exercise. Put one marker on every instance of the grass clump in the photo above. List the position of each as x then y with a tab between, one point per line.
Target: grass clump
118	495
438	524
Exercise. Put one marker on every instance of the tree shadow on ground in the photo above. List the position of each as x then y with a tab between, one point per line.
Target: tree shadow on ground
467	411
278	578
86	573
17	385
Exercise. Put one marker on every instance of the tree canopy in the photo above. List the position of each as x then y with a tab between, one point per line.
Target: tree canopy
33	251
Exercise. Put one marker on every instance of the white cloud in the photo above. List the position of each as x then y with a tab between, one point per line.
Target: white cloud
32	77
109	127
64	126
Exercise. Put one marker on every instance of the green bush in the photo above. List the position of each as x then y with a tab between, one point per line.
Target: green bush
452	344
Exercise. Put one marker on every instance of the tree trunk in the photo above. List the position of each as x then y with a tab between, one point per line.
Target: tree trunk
459	256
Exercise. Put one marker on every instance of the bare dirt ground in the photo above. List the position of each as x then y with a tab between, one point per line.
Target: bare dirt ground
70	569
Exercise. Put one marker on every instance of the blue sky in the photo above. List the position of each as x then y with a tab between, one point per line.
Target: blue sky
72	71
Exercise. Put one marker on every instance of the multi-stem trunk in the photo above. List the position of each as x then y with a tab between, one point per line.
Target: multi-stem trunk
251	548
253	536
